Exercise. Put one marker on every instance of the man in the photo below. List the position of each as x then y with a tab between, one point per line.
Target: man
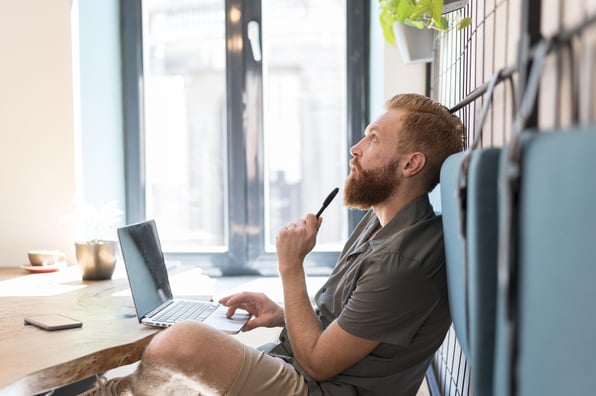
383	311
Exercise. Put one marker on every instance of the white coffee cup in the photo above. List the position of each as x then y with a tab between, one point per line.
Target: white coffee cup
46	257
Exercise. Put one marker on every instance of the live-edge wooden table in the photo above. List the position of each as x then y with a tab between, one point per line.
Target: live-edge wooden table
34	360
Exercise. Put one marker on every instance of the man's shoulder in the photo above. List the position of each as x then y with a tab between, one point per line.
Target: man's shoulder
425	232
418	247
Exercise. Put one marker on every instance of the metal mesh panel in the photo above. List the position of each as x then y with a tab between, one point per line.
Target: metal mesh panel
451	368
465	60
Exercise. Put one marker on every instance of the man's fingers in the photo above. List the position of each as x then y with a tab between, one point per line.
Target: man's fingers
230	312
250	325
233	300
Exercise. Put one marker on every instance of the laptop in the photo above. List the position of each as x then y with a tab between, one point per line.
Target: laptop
150	286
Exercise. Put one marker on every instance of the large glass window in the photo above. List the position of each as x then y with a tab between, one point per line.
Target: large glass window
184	60
242	123
304	80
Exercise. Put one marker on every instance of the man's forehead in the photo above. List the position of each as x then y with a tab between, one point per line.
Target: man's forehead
380	114
387	117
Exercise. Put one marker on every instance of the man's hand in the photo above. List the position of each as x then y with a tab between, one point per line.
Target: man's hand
294	242
265	312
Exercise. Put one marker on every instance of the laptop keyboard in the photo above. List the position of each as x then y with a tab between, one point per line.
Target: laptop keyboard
185	310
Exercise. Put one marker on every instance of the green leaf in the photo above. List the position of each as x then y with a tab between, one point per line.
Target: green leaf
443	24
389	35
464	23
387	20
415	24
436	11
404	11
421	8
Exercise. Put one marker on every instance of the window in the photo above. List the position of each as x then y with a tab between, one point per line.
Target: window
184	63
239	116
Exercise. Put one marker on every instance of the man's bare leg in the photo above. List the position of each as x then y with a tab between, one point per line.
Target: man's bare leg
188	358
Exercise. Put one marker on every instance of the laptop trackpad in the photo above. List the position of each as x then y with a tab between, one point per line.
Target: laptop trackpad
219	320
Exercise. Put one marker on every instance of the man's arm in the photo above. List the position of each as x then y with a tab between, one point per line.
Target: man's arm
322	353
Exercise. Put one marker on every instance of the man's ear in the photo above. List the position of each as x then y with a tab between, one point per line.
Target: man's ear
414	164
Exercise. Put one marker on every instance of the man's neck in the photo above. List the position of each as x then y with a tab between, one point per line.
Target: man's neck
387	209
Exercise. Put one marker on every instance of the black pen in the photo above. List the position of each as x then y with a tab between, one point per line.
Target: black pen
327	201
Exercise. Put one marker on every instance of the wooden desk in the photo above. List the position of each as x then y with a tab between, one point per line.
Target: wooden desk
33	360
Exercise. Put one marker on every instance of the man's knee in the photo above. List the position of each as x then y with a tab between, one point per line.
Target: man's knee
179	343
192	355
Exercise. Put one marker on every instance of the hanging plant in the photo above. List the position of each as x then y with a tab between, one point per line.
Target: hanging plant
420	14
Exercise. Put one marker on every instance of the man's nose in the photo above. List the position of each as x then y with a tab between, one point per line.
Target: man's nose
355	149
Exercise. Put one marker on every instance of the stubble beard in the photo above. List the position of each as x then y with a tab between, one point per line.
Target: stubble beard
367	188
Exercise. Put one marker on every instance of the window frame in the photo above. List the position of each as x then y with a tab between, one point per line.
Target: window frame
246	251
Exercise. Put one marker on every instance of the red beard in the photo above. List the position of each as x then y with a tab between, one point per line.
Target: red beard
366	188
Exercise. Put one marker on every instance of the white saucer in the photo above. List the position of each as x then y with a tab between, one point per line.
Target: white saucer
40	269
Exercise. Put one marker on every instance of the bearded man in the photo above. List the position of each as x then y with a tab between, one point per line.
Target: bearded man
380	316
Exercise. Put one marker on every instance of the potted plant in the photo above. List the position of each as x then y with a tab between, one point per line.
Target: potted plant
96	251
411	25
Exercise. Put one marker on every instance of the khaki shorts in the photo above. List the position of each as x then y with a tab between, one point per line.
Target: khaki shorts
262	374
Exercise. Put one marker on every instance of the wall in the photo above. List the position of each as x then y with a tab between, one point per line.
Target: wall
60	120
36	127
556	98
402	78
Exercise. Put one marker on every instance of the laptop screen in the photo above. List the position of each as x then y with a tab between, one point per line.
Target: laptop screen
145	266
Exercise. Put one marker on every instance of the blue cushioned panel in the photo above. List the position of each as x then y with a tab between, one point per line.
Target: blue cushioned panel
481	247
502	357
454	246
557	292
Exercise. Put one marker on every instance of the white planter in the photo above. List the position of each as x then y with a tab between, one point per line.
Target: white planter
415	45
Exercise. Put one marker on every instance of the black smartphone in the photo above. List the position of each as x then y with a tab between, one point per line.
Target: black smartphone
52	322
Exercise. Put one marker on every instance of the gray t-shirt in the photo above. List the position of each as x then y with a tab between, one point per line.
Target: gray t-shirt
390	288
